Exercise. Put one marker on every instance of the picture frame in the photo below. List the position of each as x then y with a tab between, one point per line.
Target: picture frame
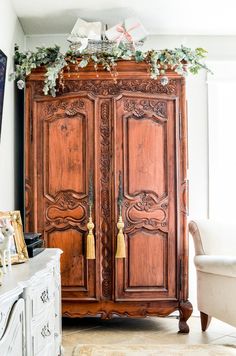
19	253
3	68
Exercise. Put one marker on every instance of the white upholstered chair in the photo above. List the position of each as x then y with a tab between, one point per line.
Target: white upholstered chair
215	261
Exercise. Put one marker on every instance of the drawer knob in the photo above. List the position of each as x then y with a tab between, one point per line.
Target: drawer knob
46	331
44	296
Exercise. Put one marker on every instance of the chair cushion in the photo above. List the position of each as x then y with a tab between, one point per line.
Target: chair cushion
217	264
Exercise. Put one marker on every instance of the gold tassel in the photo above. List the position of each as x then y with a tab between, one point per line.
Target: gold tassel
90	252
90	241
120	251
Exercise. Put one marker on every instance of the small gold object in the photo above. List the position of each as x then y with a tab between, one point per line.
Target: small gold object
120	250
90	251
90	240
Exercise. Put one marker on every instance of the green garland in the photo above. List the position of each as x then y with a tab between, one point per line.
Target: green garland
182	60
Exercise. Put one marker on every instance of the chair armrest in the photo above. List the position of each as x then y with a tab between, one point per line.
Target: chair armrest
213	237
194	231
220	265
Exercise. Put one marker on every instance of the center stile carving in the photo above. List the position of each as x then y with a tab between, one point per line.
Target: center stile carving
105	165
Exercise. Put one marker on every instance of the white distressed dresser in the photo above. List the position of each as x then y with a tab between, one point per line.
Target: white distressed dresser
30	307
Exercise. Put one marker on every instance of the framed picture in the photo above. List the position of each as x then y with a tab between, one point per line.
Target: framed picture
18	248
3	67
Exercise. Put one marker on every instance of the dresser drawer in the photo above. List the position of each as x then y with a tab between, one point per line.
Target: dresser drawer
42	294
13	342
43	331
5	311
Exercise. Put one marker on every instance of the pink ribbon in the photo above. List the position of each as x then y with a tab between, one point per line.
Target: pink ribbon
125	33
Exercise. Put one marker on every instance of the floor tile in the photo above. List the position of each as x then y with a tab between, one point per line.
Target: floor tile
145	331
221	327
225	340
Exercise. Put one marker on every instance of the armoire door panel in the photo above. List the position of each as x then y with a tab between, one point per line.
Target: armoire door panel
63	151
65	161
138	136
73	273
145	139
145	247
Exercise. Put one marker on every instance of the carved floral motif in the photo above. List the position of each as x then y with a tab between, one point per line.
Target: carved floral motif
141	310
110	87
67	209
146	210
70	108
139	107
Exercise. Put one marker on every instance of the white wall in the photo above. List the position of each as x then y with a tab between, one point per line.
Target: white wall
219	48
10	33
222	143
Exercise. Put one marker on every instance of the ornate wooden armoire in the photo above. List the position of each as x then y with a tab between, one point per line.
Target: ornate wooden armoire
130	136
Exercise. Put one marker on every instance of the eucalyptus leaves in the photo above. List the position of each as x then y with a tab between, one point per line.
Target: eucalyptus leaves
182	60
51	58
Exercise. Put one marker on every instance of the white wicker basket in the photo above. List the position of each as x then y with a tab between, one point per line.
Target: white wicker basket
102	46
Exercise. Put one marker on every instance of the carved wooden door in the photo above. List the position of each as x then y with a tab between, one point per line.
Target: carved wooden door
146	155
64	152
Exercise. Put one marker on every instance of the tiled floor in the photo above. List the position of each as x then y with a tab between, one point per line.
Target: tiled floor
140	331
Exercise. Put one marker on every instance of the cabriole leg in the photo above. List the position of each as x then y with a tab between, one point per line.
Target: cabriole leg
185	311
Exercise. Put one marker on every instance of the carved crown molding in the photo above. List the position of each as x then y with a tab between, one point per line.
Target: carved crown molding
110	87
